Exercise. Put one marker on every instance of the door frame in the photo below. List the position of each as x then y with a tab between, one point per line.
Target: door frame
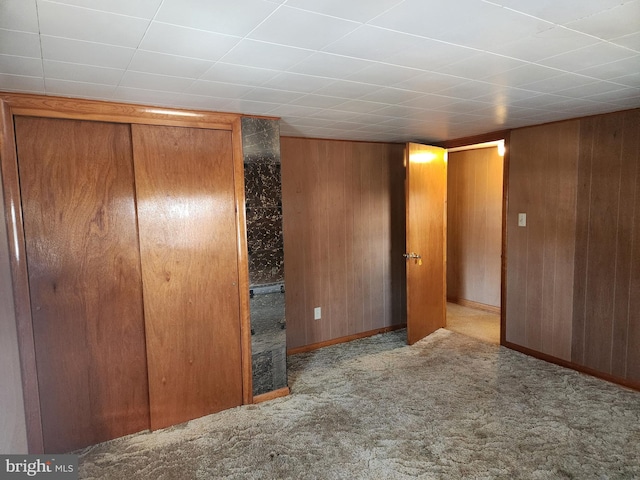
92	110
484	138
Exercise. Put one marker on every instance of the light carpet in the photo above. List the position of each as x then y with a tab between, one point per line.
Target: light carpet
447	407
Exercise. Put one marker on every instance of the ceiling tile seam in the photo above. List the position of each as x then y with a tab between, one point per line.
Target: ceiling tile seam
146	30
82	7
40	46
20	31
368	22
245	37
323	14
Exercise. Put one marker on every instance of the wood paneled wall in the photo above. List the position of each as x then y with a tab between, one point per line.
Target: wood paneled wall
542	184
573	273
606	315
343	213
474	226
13	430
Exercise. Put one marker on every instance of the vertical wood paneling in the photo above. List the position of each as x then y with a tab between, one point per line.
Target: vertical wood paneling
606	316
339	245
474	226
84	277
188	245
540	270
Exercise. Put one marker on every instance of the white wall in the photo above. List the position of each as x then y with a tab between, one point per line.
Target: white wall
13	433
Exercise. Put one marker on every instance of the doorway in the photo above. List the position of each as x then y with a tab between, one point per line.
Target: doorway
474	239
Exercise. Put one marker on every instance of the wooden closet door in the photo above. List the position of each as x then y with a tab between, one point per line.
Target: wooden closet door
76	180
188	245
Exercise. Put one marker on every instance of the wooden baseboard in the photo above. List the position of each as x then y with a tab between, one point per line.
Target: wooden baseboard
476	305
574	366
265	397
348	338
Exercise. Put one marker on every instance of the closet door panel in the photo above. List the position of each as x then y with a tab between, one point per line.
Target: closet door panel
83	261
188	245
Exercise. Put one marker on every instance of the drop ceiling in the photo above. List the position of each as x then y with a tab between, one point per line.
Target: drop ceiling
384	70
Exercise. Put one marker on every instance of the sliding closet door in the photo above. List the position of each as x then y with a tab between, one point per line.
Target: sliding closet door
76	181
188	245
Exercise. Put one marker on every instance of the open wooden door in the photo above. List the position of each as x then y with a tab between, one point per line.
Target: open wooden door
426	195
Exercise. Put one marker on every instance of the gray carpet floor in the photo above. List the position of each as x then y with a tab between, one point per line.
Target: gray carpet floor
448	407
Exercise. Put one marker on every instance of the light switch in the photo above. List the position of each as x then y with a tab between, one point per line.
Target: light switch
522	219
317	313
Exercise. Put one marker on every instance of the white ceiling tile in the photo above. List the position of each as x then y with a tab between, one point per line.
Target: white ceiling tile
358	10
561	82
291	110
434	19
218	89
138	8
360	106
431	55
318	101
612	23
346	89
629	41
19	15
547	43
81	73
241	75
471	90
630	80
149	97
433	102
251	107
17	83
384	74
625	97
78	89
481	66
598	54
371	43
187	42
334	115
27	66
297	82
541	102
199	102
151	81
91	25
21	44
152	62
391	96
271	95
299	28
87	53
265	55
523	75
329	65
431	82
559	12
590	89
611	70
506	96
238	17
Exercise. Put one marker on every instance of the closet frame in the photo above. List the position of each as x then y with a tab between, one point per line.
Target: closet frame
13	104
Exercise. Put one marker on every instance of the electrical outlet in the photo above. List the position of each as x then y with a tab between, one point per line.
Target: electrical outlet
522	219
317	313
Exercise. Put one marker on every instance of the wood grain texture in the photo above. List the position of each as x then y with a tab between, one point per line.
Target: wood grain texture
340	251
474	226
75	108
543	179
606	316
84	274
187	224
426	206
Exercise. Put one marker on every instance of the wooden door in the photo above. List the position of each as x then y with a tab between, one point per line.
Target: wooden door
426	196
76	181
188	245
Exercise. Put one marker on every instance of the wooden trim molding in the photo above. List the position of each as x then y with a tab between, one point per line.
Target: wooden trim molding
573	366
243	263
265	397
485	137
348	338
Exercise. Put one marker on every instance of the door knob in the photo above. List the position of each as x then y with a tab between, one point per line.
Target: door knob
412	255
